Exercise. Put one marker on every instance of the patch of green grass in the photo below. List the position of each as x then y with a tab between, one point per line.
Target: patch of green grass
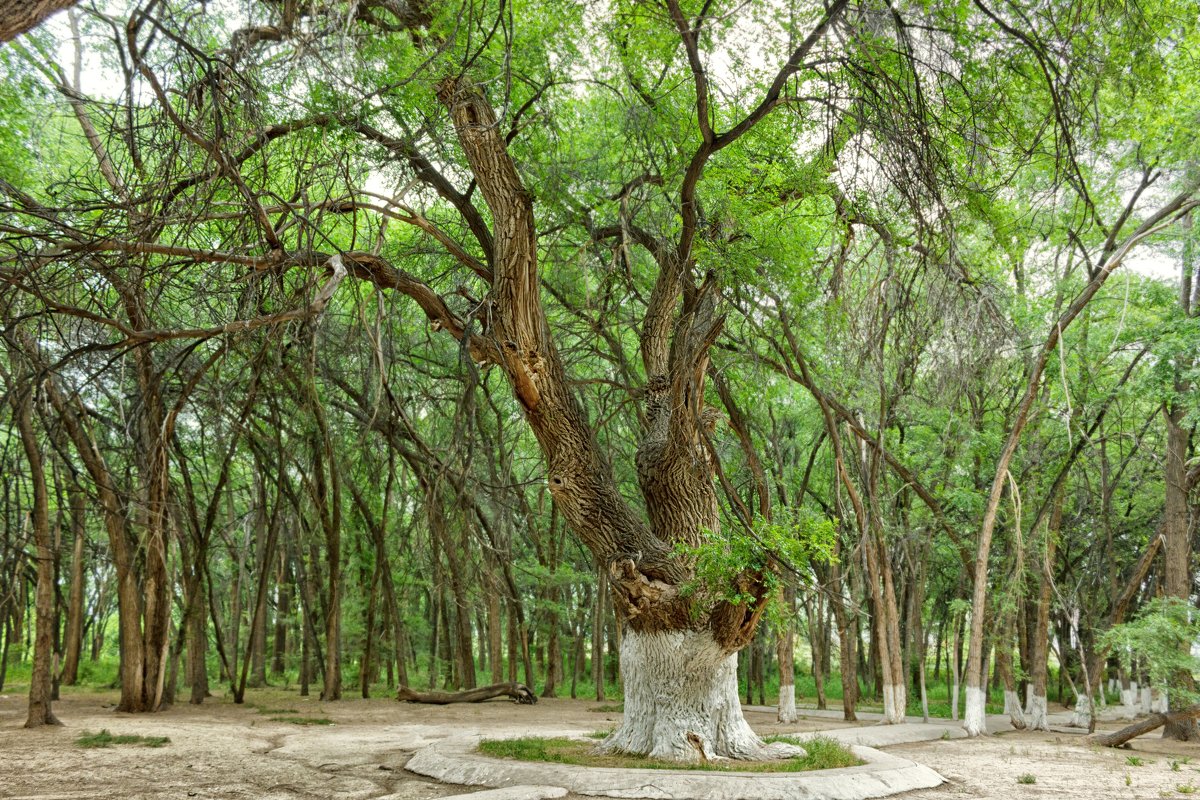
1137	761
304	720
277	710
609	709
1027	778
598	734
822	753
105	739
1187	788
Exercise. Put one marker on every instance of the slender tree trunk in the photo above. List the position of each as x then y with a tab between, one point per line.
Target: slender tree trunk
598	635
258	635
74	634
787	652
364	673
1177	555
283	611
1039	665
495	639
847	656
41	678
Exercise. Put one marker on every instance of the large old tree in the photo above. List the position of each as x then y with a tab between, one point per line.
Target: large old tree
469	157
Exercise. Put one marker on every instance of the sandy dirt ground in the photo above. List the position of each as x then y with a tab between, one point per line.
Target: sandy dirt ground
1063	766
220	750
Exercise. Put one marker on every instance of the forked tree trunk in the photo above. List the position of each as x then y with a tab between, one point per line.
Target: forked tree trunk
678	650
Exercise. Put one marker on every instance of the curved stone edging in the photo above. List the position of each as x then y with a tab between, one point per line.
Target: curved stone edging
455	760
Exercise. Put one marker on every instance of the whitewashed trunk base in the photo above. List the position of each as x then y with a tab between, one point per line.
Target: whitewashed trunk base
1129	703
1037	719
1012	707
1146	700
975	713
1158	701
1081	717
787	703
895	702
681	702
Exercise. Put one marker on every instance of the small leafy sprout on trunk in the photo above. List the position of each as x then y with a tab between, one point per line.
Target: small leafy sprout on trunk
792	540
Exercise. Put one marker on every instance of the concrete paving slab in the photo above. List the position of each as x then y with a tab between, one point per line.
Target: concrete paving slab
455	760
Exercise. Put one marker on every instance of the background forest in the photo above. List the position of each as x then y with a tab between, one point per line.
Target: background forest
926	273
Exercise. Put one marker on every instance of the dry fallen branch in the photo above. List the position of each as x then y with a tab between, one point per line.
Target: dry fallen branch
1144	726
519	692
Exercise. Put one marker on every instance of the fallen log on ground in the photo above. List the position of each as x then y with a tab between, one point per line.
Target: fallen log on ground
1152	722
519	692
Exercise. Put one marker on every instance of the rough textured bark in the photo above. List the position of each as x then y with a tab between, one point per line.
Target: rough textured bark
674	468
681	699
18	16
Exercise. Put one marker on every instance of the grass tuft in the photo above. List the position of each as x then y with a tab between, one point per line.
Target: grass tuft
105	739
1027	778
304	720
822	753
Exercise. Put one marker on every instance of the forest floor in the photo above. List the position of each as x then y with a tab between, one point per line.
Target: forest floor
222	750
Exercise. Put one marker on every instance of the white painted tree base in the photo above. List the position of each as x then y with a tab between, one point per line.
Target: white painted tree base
1146	700
787	703
1036	717
1012	707
1081	716
1129	703
895	703
681	702
974	718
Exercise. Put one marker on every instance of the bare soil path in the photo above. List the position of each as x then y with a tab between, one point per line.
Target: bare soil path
219	750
